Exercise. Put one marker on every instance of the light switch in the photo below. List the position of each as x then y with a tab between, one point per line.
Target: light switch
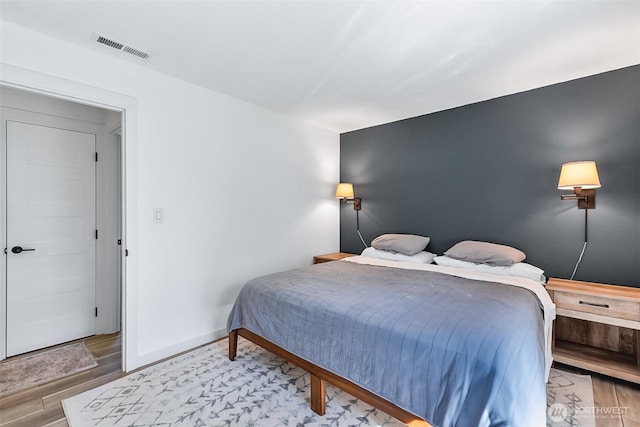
158	215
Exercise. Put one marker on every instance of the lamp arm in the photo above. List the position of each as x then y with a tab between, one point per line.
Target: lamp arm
578	194
586	197
356	201
573	197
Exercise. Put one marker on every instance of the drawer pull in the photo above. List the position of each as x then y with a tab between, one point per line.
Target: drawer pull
594	304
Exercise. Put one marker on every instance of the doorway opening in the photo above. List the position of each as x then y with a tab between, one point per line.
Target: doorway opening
49	221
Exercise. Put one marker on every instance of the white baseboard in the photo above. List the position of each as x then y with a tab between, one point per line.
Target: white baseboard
159	354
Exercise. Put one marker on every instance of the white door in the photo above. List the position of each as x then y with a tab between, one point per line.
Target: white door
50	236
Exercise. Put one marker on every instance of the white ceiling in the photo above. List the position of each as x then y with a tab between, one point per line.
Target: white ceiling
347	65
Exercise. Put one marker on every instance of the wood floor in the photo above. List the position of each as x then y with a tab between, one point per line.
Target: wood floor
41	405
617	401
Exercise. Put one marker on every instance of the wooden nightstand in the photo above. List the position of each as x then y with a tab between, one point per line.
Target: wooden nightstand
597	328
331	257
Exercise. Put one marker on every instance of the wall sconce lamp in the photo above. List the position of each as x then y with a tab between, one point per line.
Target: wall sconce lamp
344	191
582	178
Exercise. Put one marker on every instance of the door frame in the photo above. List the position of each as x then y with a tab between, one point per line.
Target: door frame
25	108
43	84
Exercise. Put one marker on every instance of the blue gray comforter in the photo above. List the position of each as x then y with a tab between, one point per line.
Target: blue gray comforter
454	351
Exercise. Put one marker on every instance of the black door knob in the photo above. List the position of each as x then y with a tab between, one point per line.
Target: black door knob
18	249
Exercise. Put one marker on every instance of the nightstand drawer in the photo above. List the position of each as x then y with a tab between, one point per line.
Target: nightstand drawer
629	310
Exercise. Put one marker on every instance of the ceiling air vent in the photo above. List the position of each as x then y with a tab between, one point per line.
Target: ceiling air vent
122	47
137	52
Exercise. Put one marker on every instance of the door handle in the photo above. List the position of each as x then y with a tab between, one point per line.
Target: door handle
19	249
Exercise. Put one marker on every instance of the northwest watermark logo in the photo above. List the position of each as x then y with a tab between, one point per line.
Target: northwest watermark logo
558	412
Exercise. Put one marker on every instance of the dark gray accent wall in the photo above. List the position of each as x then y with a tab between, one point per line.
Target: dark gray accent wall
489	171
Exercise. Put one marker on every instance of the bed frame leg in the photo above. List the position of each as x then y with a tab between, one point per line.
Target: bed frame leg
233	344
318	400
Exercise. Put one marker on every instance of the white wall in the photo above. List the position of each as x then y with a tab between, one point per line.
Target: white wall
245	191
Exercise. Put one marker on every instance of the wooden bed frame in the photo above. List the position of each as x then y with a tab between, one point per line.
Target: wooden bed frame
320	375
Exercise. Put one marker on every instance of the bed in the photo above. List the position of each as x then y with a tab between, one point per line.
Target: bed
422	342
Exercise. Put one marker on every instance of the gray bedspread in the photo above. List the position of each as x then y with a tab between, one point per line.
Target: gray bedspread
454	351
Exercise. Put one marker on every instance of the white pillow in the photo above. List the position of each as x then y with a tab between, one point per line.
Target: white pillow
520	269
421	257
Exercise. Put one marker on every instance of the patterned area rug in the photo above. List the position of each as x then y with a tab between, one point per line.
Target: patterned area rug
40	368
570	400
203	388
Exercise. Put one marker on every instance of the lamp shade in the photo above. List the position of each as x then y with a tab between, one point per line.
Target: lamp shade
344	190
579	174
